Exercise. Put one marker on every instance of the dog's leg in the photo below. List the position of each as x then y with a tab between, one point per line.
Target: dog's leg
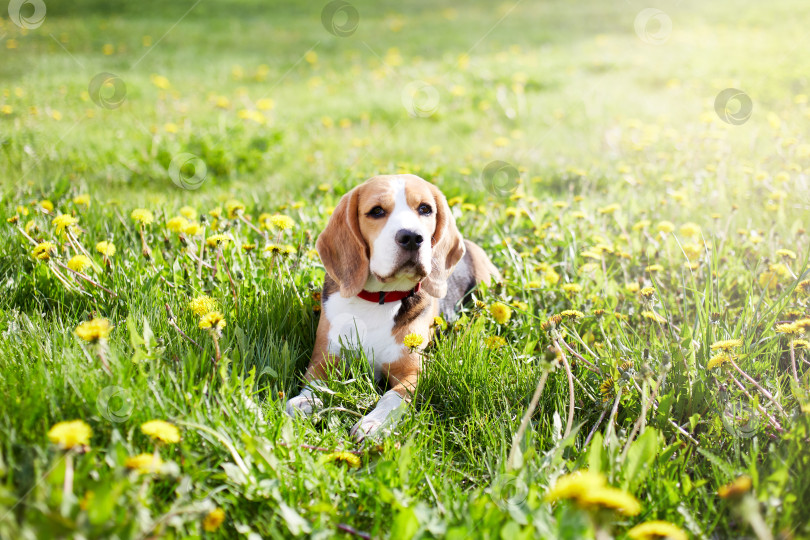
402	377
322	362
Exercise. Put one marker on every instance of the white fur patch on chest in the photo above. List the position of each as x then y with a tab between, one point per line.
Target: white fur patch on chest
362	325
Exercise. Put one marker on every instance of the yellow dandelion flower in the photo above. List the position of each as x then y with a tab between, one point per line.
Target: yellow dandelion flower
500	312
665	227
193	229
160	81
803	286
82	200
633	287
609	209
188	212
161	430
64	221
93	331
803	325
726	345
144	463
350	459
551	277
494	342
106	248
552	321
70	434
234	207
735	489
46	205
589	254
656	530
282	223
520	306
646	292
571	314
213	320
202	305
768	279
412	340
79	263
691	230
800	344
653	316
213	519
786	253
780	269
177	224
572	288
218	240
142	216
607	389
612	499
787	328
438	322
575	485
654	268
692	251
718	360
277	249
792	314
265	104
43	251
642	225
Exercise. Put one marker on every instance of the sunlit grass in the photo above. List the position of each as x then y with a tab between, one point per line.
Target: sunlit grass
654	260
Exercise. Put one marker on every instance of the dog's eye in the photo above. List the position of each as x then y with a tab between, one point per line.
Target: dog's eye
376	212
425	209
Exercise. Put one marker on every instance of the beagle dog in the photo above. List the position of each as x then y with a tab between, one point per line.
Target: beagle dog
394	260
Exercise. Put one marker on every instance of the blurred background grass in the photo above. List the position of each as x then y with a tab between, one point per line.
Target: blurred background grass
275	105
268	98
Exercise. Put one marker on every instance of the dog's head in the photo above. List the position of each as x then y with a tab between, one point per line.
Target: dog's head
390	233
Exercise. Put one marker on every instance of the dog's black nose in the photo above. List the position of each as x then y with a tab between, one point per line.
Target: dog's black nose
408	239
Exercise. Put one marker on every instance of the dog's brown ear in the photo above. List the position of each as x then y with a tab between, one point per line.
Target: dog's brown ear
448	247
343	250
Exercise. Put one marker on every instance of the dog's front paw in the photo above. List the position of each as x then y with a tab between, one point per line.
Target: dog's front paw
384	413
366	427
303	405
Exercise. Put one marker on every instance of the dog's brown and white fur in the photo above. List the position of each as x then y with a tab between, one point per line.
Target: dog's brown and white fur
377	240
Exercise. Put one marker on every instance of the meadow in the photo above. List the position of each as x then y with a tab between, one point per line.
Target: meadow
638	173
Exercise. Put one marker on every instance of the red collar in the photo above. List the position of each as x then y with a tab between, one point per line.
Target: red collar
389	296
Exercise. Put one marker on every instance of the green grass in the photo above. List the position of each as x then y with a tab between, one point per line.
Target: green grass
588	113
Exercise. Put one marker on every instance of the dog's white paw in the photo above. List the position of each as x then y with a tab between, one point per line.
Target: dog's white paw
303	404
366	427
384	413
